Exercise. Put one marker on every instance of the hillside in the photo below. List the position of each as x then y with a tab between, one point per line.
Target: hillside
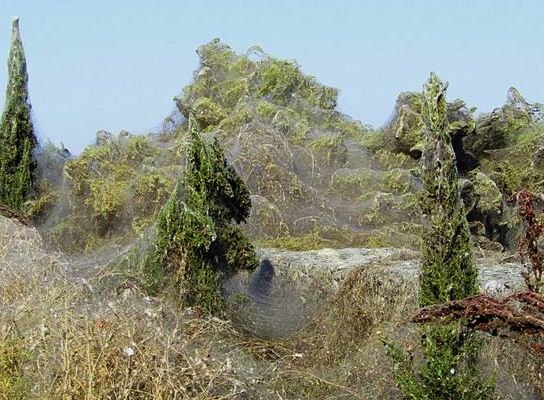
317	178
337	226
77	328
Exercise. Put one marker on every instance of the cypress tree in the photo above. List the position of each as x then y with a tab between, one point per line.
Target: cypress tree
17	139
197	241
447	269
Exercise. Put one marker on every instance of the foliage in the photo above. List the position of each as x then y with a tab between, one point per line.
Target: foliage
196	244
533	224
115	185
228	86
449	371
447	270
13	385
17	139
517	317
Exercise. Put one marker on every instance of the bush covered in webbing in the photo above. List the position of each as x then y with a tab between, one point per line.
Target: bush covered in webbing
196	244
447	269
17	139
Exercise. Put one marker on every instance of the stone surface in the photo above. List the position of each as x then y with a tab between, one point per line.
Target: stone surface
329	267
291	287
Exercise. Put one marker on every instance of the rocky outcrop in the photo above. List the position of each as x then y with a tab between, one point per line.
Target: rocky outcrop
405	132
498	274
290	287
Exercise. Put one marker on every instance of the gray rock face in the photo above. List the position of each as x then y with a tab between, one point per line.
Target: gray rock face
329	267
103	138
290	287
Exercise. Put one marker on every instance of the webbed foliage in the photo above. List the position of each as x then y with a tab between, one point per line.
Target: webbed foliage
196	244
447	269
17	139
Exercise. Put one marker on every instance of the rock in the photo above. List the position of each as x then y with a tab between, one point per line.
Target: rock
103	138
22	256
538	157
123	135
516	100
328	267
494	130
291	286
487	208
405	132
9	213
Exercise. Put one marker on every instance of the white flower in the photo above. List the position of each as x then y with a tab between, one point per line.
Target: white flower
129	351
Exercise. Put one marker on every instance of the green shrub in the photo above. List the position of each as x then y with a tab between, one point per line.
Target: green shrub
17	139
447	270
196	245
13	384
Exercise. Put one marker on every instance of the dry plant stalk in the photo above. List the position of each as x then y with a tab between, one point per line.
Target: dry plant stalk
518	317
528	245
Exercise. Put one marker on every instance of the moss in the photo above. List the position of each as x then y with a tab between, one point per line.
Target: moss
41	207
331	147
149	192
310	241
408	124
334	237
510	177
237	90
389	160
138	148
72	234
266	110
374	141
297	190
320	96
235	120
351	184
234	90
382	203
244	66
113	185
140	226
279	79
376	239
271	223
489	196
106	199
78	170
13	383
397	180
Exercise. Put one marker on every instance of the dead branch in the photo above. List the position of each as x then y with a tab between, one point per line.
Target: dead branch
519	317
7	212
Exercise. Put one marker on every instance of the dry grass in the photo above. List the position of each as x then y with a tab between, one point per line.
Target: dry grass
76	330
84	343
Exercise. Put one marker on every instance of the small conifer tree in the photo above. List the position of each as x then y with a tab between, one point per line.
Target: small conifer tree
197	243
447	269
17	139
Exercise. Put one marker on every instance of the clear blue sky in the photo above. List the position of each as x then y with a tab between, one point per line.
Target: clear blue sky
117	64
